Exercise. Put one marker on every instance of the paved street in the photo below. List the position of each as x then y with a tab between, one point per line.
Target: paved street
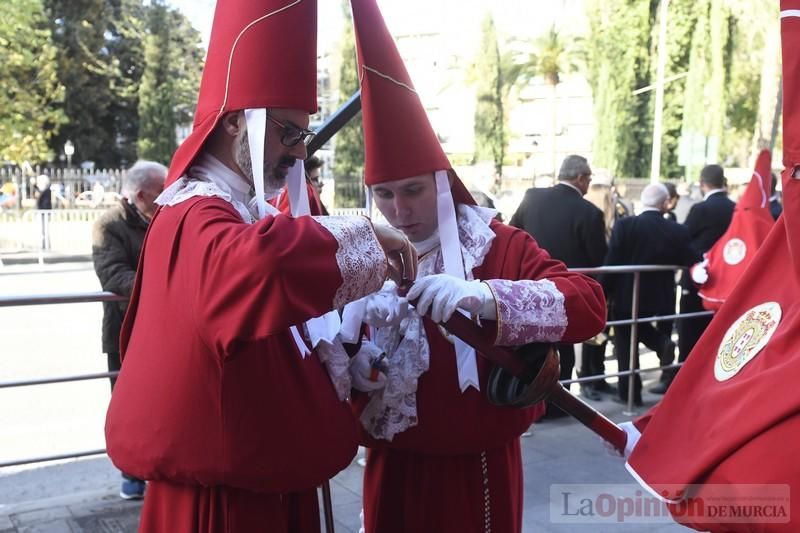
81	495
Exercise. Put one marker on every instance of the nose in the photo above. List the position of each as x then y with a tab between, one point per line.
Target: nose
402	207
298	151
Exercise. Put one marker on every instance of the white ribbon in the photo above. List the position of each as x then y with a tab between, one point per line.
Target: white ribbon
297	190
454	266
256	132
325	327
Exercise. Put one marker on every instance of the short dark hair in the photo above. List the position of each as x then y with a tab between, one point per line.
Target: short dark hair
313	162
671	189
713	175
774	183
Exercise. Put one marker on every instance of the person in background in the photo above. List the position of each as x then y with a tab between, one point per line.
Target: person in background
569	227
672	203
117	239
775	207
314	176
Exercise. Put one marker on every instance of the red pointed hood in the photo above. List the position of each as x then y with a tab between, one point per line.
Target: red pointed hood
747	353
735	250
399	141
262	53
756	195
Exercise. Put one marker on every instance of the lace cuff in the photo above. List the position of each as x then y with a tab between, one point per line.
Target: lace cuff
337	363
528	311
361	260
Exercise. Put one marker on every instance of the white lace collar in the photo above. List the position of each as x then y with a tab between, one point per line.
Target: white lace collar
394	408
210	177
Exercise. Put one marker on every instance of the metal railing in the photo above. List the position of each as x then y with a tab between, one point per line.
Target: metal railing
101	296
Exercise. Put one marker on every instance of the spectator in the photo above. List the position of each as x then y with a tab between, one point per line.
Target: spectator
569	227
314	176
116	244
646	239
707	222
45	199
775	207
672	203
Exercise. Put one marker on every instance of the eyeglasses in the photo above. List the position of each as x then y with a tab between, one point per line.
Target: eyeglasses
292	135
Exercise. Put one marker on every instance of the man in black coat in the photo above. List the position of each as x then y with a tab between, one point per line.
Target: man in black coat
569	227
116	245
707	222
646	239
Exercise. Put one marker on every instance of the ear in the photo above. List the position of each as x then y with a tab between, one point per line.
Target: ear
233	123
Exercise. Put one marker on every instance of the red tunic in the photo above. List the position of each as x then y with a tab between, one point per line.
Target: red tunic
213	393
435	476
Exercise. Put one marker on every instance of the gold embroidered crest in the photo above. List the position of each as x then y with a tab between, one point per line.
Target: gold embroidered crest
745	338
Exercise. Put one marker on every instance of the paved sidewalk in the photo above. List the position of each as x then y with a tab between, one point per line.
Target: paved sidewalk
81	496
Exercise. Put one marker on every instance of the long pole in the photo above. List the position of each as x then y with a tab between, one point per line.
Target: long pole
655	161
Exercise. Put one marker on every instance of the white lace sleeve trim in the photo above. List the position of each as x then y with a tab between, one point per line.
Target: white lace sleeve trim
528	311
185	189
361	260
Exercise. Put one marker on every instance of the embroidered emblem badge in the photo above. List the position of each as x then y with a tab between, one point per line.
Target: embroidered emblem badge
745	338
734	251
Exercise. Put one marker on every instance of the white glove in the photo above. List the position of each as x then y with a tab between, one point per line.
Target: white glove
385	308
444	293
699	272
633	437
361	368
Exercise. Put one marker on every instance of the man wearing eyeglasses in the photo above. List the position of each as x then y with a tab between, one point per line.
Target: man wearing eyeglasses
231	397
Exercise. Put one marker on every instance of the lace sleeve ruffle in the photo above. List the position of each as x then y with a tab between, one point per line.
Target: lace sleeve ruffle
361	260
528	311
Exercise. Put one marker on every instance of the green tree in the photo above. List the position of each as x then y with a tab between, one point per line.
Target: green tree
126	47
348	163
157	124
85	68
618	55
682	18
29	88
490	134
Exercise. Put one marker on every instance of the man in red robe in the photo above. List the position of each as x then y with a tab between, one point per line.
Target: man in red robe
222	404
737	387
441	457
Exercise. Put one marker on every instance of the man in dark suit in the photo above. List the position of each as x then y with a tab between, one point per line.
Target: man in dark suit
646	239
707	222
569	227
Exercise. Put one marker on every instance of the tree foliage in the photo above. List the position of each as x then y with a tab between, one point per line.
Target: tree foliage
348	163
29	87
157	121
618	55
490	124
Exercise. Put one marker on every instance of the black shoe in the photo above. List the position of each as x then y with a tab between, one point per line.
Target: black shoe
624	401
588	392
660	388
605	387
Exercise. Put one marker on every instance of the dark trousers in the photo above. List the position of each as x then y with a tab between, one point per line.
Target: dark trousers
648	335
593	362
690	330
566	356
114	364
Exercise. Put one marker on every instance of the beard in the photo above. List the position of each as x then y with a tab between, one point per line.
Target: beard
274	179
